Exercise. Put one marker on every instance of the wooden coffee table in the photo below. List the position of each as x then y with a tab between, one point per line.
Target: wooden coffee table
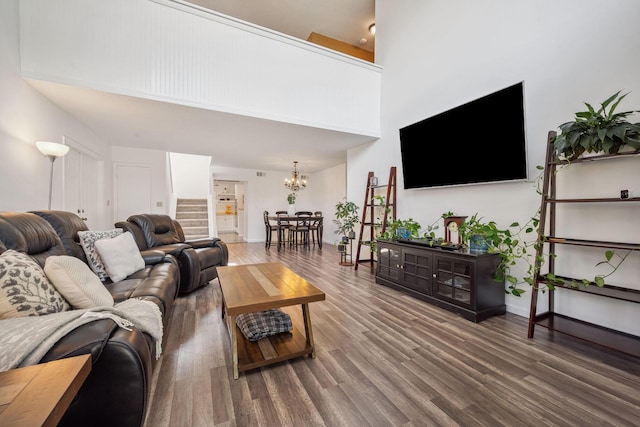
257	287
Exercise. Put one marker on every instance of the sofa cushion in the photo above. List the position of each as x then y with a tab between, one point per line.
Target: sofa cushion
120	255
87	240
80	286
25	289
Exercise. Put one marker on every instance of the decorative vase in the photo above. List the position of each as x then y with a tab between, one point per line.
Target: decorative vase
292	210
478	244
403	233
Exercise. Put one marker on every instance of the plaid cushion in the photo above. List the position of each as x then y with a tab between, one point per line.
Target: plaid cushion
262	324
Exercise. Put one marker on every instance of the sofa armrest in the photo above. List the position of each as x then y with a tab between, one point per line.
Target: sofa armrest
153	256
207	242
122	368
211	242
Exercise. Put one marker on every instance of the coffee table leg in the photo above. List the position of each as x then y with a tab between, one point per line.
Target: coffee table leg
307	329
234	344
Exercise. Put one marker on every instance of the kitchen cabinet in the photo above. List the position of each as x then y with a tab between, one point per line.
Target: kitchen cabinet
225	223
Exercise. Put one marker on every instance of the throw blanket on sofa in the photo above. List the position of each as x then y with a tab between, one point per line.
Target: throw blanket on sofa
25	340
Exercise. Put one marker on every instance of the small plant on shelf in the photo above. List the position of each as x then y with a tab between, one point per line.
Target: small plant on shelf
595	131
346	218
401	228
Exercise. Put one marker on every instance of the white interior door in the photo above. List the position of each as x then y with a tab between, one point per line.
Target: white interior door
132	190
72	181
81	186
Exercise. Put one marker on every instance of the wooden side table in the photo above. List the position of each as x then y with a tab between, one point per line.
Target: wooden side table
39	395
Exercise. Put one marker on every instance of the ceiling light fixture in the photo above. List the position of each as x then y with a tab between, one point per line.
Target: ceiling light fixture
295	183
372	29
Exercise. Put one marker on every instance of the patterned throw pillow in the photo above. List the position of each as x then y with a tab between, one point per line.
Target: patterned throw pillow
87	241
25	289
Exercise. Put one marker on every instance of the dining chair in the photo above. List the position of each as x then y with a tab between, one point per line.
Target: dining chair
270	228
283	226
300	229
316	228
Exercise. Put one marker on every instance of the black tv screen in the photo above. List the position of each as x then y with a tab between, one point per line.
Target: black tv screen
481	141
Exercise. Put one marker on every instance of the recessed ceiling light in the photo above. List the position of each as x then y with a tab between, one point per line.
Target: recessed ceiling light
372	29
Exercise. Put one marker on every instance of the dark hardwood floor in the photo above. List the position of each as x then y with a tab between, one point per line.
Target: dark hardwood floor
385	359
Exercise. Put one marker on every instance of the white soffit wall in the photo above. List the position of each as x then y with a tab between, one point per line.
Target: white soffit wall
183	55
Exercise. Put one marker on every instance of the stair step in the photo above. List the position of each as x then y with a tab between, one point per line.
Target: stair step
192	201
191	215
191	208
190	231
196	222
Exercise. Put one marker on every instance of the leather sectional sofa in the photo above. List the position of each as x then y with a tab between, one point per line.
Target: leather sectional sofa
197	258
117	390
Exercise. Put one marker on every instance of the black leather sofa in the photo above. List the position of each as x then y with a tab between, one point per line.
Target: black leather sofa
198	258
117	390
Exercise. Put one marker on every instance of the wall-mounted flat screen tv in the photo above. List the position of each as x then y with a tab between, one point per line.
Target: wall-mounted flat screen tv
482	141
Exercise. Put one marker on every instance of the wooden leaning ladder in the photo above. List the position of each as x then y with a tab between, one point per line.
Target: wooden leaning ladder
369	223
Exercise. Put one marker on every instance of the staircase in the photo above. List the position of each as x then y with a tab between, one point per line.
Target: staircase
193	217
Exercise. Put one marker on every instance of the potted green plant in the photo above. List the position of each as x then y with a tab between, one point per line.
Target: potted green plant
595	131
485	236
291	199
401	229
346	218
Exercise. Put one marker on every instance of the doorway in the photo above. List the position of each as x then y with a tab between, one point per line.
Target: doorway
230	213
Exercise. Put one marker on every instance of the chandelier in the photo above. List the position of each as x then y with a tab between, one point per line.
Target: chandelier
296	182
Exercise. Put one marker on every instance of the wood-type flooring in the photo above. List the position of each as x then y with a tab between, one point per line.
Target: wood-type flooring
384	359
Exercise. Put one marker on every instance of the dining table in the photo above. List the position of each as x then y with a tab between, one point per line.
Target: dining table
283	220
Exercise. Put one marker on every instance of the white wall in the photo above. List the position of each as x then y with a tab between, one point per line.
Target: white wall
26	117
187	56
190	175
440	54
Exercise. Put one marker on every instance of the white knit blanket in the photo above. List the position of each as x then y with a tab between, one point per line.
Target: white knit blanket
25	340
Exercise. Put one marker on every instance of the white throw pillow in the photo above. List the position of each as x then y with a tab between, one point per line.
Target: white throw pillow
120	255
25	289
87	241
80	286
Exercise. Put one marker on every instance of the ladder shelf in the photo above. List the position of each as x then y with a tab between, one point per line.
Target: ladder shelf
548	237
370	222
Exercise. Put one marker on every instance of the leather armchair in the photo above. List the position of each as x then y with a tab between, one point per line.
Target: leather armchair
198	258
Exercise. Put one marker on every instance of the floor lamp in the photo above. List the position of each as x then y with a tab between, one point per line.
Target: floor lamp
52	150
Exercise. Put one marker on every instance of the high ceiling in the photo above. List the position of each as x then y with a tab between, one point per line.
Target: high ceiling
143	123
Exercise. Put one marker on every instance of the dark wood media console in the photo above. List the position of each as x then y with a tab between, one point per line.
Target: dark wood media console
456	280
